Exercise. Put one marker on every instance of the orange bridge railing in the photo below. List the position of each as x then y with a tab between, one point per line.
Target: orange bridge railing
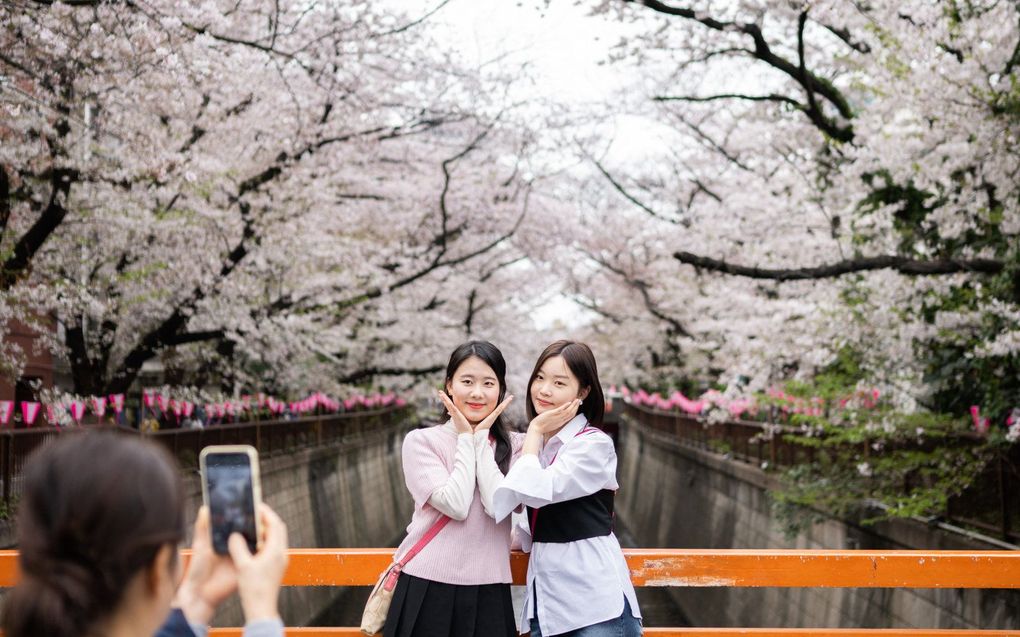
700	568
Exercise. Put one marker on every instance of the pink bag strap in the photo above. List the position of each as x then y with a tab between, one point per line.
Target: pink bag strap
429	535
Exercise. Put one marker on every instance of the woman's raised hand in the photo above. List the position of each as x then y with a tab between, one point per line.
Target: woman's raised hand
210	578
460	421
491	418
552	420
259	576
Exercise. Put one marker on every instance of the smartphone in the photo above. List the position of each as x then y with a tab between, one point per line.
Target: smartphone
232	490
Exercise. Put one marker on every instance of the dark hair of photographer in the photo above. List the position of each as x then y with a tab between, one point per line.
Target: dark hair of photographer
97	513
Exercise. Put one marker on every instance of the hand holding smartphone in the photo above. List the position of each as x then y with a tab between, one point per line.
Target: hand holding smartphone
232	490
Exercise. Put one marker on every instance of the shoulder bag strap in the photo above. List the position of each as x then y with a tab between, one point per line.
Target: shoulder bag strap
429	535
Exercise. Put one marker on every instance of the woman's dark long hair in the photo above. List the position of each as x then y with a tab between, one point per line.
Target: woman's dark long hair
581	361
97	509
491	356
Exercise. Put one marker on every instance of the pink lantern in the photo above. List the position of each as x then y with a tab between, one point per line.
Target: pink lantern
116	402
30	411
6	411
98	406
187	409
981	425
51	415
147	398
77	409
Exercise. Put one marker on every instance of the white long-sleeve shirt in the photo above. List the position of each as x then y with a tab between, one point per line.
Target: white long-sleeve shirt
576	583
473	463
440	472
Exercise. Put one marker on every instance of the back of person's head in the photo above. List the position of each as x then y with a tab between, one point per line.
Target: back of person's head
96	510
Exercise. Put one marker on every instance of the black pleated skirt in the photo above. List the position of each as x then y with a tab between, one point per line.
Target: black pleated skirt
423	608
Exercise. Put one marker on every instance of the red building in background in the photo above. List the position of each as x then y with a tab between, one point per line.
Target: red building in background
37	374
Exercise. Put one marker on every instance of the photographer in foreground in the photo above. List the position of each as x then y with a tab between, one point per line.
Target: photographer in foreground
98	532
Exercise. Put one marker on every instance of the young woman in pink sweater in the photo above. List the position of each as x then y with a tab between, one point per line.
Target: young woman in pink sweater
459	584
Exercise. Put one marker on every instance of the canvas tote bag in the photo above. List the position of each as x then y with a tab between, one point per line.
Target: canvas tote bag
378	604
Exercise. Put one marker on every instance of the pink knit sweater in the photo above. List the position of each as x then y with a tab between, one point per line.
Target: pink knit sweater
473	551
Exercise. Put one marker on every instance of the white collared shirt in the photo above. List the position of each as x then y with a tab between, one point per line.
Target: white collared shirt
577	583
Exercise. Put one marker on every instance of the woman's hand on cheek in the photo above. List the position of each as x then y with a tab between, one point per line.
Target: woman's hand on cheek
554	419
491	418
460	421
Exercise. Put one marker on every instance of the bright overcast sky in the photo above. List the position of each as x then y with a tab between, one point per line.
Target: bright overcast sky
561	43
565	50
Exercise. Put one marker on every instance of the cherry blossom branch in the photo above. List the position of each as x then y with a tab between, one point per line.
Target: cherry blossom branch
414	23
591	306
903	265
810	82
712	144
474	307
642	287
629	197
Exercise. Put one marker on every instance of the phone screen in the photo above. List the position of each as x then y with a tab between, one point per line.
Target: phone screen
231	499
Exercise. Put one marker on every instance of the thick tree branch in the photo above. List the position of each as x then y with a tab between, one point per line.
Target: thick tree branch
21	258
843	34
810	82
902	265
186	338
772	97
5	201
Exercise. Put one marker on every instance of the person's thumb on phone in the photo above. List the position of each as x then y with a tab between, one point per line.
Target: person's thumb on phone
260	575
239	552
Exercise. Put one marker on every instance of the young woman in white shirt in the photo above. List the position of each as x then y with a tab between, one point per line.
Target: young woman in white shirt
459	584
565	479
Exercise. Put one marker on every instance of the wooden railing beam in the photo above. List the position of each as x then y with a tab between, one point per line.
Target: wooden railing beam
698	568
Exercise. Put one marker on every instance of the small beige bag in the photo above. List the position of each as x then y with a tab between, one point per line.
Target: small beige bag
378	605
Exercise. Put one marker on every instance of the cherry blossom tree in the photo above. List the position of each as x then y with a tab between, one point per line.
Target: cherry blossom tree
304	195
820	177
